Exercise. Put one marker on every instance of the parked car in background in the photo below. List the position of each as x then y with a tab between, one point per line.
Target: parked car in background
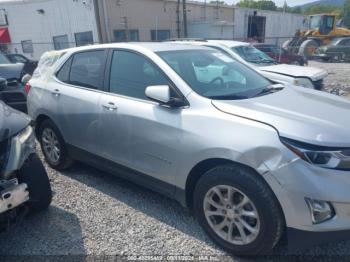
337	50
281	55
23	178
252	158
308	77
13	73
13	95
29	65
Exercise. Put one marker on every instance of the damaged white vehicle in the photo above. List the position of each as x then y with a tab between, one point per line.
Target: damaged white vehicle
23	178
308	77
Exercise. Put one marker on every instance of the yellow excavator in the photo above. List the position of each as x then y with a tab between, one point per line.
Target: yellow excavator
322	29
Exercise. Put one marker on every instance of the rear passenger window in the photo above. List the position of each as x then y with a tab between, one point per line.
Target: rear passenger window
63	73
87	69
132	73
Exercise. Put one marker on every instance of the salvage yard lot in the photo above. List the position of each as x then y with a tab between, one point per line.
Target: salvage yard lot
96	213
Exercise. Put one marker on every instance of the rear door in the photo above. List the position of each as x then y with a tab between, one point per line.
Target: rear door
77	97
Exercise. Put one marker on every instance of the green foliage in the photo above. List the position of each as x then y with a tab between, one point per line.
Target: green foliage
319	9
260	4
346	13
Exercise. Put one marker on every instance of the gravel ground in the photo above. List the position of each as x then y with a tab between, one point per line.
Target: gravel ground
94	213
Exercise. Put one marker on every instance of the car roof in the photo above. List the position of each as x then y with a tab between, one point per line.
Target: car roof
230	43
151	46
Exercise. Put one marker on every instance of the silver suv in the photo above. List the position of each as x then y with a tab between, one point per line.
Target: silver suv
253	159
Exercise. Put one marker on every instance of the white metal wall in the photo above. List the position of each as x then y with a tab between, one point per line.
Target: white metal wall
60	17
279	26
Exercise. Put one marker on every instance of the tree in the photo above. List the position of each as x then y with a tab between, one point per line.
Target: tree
346	13
319	9
260	4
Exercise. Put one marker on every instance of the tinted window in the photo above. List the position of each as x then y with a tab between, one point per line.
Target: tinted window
60	42
215	75
87	69
132	73
119	35
84	38
63	73
160	35
27	47
4	59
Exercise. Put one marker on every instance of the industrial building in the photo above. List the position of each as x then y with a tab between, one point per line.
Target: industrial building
36	26
58	24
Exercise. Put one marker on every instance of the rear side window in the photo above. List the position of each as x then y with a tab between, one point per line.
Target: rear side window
63	73
87	69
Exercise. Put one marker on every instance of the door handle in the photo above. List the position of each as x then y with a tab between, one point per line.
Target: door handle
56	92
110	106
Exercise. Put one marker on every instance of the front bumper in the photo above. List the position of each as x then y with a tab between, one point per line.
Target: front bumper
294	182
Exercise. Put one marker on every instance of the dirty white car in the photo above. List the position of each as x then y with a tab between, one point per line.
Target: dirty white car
247	54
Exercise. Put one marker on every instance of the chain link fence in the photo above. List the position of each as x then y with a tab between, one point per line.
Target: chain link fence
277	47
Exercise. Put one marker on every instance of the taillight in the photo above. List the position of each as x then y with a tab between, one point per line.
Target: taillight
27	88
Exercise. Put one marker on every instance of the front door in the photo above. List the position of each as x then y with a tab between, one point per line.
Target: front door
137	132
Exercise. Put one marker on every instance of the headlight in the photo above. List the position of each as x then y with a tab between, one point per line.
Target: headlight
304	82
22	145
320	156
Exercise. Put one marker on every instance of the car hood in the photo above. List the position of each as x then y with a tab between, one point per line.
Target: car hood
301	114
11	121
296	71
11	71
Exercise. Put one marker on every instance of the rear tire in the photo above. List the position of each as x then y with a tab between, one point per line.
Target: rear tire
34	175
265	222
53	146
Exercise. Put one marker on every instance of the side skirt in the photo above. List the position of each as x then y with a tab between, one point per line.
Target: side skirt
129	174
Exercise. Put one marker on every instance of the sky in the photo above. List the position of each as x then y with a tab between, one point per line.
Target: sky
278	2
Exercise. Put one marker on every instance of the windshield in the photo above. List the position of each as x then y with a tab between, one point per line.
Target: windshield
215	75
315	22
253	55
4	59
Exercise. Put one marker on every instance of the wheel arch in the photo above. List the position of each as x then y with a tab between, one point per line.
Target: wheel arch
205	165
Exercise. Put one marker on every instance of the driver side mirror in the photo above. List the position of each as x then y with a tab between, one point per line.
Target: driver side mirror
162	95
3	84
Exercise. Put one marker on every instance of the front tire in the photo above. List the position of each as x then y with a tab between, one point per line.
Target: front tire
238	210
53	146
34	175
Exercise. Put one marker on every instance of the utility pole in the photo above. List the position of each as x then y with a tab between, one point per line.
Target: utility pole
178	19
184	9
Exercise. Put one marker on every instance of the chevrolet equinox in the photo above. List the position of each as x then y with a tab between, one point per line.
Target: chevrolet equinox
253	159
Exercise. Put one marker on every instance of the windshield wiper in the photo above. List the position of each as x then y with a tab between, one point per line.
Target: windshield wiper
270	89
228	97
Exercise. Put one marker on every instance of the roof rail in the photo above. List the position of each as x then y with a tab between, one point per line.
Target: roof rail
186	39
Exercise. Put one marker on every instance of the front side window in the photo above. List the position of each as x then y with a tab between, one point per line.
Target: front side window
253	55
20	59
87	69
215	75
132	73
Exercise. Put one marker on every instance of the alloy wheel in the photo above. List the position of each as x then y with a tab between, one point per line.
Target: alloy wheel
51	145
231	215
